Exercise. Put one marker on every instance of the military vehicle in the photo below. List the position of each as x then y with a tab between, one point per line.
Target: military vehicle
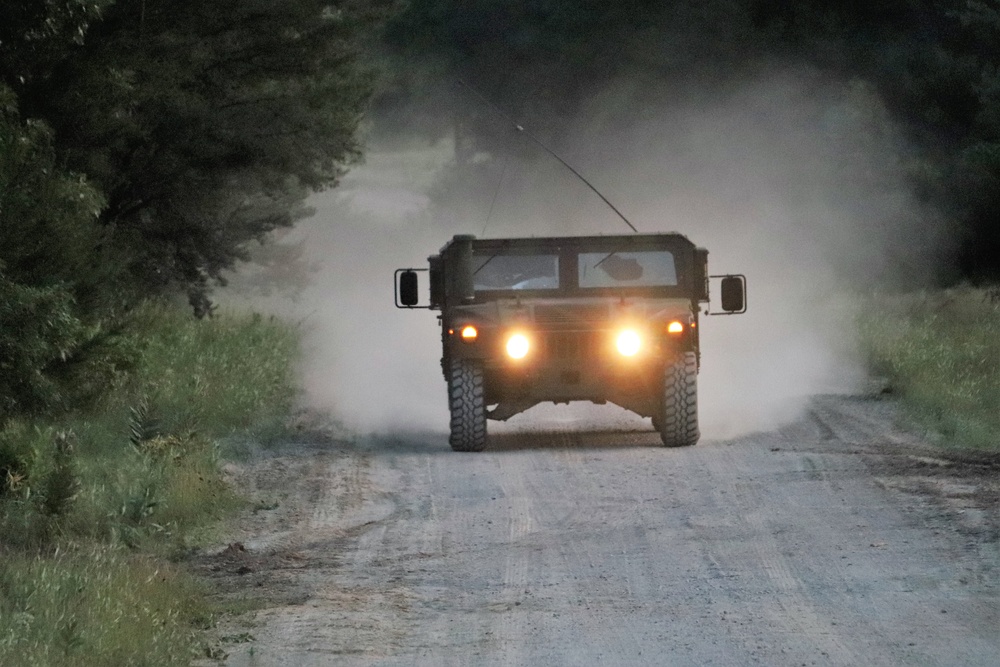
588	318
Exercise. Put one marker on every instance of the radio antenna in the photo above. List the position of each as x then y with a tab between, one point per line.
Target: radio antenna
520	128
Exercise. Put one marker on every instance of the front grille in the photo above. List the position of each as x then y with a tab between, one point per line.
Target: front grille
571	314
571	346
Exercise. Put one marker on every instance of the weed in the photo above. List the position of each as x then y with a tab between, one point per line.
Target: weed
60	485
96	606
940	352
142	426
94	505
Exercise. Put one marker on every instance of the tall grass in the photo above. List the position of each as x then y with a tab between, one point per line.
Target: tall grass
97	606
227	374
94	505
941	353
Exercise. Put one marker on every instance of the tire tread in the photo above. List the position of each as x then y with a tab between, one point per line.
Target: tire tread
678	424
467	405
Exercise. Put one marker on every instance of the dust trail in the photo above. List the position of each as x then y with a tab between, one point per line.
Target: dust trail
371	366
796	181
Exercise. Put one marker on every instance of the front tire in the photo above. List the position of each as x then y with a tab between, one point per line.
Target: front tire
678	418
467	405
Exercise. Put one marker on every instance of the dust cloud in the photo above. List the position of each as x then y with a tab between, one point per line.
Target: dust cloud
796	181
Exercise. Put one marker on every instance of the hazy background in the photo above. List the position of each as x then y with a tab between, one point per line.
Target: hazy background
793	179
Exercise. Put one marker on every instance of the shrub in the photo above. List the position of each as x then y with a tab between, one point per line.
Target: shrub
37	330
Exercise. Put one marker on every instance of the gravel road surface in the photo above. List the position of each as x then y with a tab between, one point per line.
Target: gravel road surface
838	540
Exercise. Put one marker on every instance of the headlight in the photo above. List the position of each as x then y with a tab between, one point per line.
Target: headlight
517	346
469	333
675	327
628	343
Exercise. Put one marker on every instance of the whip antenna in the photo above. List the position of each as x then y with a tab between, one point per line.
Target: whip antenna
520	128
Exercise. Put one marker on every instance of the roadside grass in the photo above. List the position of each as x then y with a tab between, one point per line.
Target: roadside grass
940	352
95	506
97	605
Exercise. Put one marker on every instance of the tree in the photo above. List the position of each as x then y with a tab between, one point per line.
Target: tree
205	124
36	35
56	291
935	63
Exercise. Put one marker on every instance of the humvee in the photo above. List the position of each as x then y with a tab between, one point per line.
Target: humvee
588	318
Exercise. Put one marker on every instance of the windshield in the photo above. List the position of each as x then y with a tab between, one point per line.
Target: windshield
503	272
646	268
540	271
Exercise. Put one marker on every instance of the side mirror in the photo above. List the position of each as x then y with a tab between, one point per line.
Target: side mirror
407	290
733	289
409	295
733	294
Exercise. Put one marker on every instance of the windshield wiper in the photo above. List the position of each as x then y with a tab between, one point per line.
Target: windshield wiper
483	265
606	257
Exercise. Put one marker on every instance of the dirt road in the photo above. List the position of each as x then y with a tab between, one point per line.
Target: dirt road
839	540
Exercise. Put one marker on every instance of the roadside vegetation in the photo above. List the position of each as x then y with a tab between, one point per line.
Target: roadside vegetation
97	505
940	352
143	149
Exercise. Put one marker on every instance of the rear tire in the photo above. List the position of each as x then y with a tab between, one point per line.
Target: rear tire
467	405
678	419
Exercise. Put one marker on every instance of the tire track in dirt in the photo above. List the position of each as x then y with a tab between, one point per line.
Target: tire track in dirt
511	628
793	610
566	547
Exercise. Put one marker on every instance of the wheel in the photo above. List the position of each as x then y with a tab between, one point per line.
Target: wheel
467	406
678	420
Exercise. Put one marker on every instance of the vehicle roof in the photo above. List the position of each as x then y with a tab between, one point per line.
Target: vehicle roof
600	240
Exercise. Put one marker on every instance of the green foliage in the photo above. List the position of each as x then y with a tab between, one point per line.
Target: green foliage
142	426
205	124
25	462
142	145
37	330
138	473
36	34
229	373
48	217
940	352
145	465
50	358
96	606
58	292
59	486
